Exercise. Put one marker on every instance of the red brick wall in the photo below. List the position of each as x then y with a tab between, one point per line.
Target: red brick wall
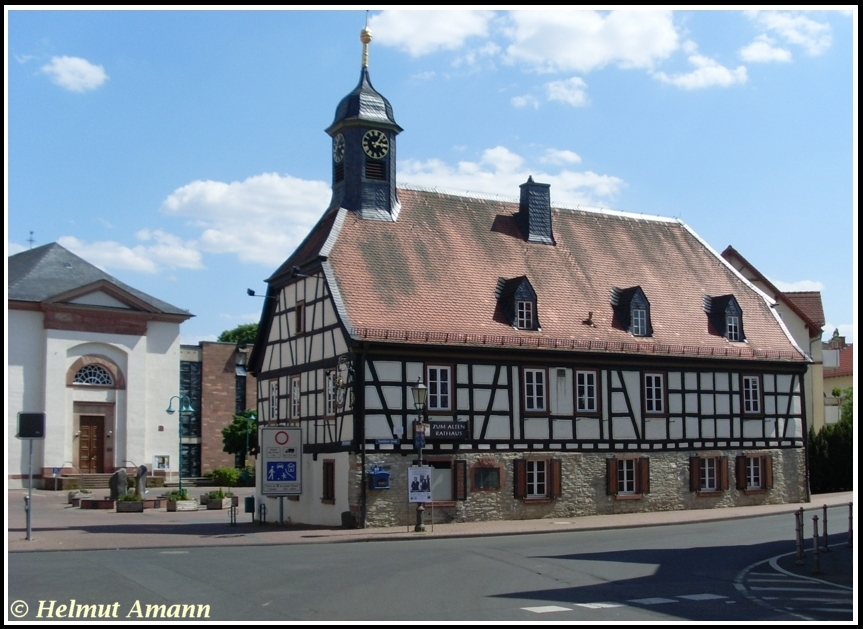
218	401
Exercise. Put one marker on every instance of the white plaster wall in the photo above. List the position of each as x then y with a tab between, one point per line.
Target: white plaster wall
161	375
25	386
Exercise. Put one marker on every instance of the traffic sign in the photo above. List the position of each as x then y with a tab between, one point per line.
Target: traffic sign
281	461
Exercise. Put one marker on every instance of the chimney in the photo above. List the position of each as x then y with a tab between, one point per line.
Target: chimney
534	212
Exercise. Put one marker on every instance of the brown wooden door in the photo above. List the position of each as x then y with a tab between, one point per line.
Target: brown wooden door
91	444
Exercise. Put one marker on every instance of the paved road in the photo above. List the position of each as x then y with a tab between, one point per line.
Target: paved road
685	572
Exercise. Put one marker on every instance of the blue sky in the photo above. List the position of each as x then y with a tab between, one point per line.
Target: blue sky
184	151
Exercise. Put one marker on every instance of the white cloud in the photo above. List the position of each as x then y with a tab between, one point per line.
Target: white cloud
75	74
796	29
763	50
261	219
797	286
24	58
708	73
168	251
582	41
524	101
570	91
500	171
472	57
422	32
556	156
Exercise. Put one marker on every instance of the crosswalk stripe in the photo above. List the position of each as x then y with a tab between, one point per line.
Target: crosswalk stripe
546	609
599	605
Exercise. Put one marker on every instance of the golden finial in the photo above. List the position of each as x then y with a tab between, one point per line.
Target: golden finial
366	37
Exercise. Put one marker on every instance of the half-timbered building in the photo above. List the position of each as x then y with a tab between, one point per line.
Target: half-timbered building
578	361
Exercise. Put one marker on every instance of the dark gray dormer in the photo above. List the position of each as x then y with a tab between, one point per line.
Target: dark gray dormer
517	301
534	212
725	317
632	310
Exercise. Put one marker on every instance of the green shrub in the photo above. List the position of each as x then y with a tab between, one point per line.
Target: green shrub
130	498
176	494
219	494
831	451
229	476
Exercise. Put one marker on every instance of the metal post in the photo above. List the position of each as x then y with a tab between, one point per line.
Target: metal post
815	544
262	514
850	523
798	534
420	526
281	510
233	515
29	503
826	547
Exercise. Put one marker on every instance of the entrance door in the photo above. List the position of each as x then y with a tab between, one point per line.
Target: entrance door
91	444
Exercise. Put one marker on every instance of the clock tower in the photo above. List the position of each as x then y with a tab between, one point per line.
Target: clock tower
364	149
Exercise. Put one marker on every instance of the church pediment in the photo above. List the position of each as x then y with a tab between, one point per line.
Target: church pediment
102	294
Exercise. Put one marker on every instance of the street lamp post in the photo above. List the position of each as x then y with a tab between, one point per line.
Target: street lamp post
420	394
185	407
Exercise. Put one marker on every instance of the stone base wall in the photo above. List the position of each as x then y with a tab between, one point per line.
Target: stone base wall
583	488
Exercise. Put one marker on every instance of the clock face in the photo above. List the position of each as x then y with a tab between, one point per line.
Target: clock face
376	144
338	148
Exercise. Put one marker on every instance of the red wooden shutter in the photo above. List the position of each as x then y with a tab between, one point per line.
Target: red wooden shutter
643	479
723	473
767	466
611	477
460	480
694	473
740	469
519	478
554	470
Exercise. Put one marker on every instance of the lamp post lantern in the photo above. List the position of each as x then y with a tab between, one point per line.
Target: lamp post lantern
420	394
185	407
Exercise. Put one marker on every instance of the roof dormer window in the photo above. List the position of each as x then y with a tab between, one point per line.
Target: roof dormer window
632	310
726	317
517	302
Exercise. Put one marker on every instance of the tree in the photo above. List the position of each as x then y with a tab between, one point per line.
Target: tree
831	451
244	334
241	436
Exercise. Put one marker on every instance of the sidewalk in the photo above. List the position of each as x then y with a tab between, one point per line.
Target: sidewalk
59	526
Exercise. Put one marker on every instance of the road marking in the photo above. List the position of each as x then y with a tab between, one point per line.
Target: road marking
599	605
546	609
174	552
791	589
701	597
652	601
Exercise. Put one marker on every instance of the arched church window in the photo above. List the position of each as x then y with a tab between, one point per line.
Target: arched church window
94	375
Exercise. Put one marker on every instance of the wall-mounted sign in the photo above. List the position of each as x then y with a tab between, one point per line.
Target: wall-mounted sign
449	431
281	459
419	484
162	463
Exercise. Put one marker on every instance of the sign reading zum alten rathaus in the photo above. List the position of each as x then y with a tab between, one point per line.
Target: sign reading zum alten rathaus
449	431
280	465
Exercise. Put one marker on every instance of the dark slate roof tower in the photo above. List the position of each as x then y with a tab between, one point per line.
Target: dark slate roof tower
364	149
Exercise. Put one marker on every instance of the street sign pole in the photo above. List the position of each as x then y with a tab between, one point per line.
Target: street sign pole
30	493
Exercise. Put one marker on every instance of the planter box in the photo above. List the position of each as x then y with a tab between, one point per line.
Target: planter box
182	505
204	499
94	503
76	496
215	503
130	506
154	503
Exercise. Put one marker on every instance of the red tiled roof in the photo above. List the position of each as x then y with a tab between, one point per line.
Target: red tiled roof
430	277
846	363
809	302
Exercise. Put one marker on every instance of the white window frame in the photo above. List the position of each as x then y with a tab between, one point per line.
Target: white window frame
586	402
534	390
654	393
274	400
626	481
752	395
638	327
754	473
732	327
524	315
536	478
708	468
330	394
439	388
296	402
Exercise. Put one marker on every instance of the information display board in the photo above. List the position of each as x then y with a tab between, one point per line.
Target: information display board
281	461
